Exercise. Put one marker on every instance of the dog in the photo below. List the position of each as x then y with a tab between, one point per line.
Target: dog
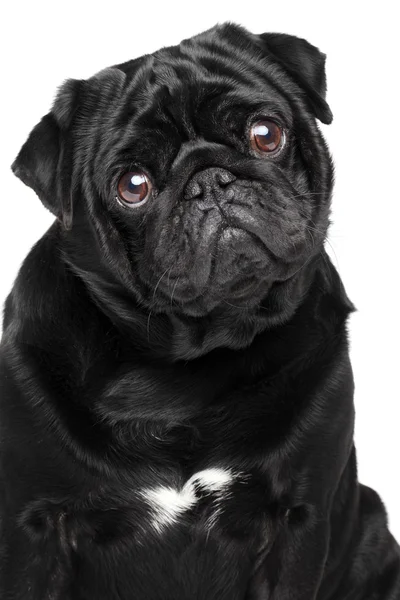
176	393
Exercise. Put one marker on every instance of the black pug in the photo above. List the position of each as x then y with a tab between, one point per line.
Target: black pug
176	393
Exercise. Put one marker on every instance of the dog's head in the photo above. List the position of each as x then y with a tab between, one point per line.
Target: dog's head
193	180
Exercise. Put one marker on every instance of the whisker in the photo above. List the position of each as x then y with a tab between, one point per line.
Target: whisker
148	325
311	236
234	305
152	304
158	283
169	275
173	290
302	266
306	195
333	250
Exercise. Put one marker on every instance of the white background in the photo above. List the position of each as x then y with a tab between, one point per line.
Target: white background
45	43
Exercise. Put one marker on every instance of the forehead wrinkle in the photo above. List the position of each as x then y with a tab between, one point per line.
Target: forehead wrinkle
174	75
240	59
178	72
222	66
180	119
137	92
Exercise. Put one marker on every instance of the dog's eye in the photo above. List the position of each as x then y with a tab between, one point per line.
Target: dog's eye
134	188
266	136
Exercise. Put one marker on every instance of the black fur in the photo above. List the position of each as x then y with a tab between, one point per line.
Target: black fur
144	345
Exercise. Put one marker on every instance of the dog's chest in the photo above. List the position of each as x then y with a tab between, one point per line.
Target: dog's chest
191	489
203	466
191	460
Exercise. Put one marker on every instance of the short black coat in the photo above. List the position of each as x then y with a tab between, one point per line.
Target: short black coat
100	399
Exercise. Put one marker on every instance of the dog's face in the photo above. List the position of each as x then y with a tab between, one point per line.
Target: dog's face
197	175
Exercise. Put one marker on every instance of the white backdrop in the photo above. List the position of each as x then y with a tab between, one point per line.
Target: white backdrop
44	43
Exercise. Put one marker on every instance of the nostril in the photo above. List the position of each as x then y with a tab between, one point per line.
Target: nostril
224	178
208	182
193	190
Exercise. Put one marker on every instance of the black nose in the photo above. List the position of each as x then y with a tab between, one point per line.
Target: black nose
208	181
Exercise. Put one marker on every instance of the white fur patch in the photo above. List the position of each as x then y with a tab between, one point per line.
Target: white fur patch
213	479
168	504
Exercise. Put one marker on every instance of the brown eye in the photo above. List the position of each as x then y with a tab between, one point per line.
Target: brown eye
266	136
134	188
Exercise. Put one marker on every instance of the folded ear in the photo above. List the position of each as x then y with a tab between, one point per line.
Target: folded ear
305	64
44	162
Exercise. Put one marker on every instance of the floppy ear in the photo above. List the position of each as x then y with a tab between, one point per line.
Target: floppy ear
44	162
305	64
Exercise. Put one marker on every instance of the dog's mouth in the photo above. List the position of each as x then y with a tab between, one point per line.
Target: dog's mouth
242	263
235	269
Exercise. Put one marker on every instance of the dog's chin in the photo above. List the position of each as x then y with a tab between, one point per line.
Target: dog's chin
245	294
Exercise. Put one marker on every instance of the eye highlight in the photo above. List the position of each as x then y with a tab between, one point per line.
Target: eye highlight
266	136
134	188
